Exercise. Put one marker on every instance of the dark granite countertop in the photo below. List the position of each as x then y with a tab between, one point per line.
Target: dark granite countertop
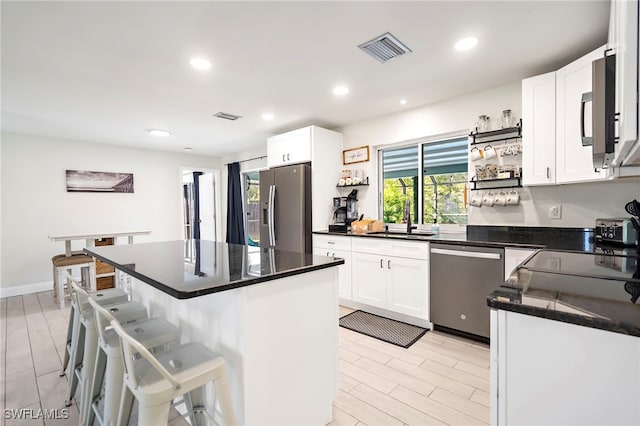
593	290
186	269
525	237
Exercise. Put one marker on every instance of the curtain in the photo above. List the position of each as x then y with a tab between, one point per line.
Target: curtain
235	218
196	205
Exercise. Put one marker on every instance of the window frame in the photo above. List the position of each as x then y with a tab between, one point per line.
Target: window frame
419	143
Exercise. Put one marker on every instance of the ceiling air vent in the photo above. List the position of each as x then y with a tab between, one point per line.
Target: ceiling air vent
385	47
227	116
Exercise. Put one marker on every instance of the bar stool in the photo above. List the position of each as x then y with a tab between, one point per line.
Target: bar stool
103	297
154	381
62	264
80	373
154	334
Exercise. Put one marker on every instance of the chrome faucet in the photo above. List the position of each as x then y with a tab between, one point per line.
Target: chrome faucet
408	215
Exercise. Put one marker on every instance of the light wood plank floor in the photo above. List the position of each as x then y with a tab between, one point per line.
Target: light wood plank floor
441	379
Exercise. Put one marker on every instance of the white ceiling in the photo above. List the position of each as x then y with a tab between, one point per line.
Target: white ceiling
107	71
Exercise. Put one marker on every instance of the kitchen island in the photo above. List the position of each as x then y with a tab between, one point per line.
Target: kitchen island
272	314
565	341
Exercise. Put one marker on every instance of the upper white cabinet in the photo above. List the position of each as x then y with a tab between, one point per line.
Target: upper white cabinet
539	130
574	162
321	147
552	116
289	148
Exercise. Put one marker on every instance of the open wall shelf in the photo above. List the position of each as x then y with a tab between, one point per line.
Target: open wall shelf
514	182
495	135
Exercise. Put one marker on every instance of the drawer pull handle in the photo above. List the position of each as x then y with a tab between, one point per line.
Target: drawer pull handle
389	264
381	263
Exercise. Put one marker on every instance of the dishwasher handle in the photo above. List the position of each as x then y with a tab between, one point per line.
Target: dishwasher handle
462	253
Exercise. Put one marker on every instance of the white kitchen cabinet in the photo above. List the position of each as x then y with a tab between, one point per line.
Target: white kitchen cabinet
289	148
539	130
369	279
321	147
513	257
552	149
337	246
392	275
408	286
574	162
546	372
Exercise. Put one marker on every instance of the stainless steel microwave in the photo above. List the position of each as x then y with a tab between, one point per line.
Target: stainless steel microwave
615	91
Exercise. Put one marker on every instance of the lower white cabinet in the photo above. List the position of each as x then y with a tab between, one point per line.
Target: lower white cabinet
408	286
369	279
546	372
399	284
337	246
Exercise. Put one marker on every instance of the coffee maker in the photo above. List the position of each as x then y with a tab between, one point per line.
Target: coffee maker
345	211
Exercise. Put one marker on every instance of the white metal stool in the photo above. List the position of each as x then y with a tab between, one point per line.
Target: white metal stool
155	334
81	373
62	264
103	297
154	381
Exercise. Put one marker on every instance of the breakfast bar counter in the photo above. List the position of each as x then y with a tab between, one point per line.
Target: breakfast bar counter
272	314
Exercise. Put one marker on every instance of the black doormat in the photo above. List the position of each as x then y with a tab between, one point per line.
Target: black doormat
385	329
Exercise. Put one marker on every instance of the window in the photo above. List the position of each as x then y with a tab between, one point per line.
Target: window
434	183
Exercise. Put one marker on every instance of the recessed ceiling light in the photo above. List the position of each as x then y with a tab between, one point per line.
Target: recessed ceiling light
267	116
186	148
466	43
403	101
340	90
159	132
200	64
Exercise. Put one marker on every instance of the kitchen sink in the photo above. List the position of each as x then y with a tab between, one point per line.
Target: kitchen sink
403	234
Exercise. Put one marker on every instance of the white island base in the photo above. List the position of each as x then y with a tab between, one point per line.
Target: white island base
279	339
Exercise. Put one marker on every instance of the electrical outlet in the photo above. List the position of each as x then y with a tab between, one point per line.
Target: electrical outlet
555	211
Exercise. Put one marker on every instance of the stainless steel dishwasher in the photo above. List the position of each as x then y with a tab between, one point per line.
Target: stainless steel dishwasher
461	278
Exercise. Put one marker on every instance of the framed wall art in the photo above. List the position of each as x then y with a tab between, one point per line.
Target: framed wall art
84	181
355	155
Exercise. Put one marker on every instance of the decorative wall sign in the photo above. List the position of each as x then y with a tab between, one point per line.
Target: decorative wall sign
355	155
82	181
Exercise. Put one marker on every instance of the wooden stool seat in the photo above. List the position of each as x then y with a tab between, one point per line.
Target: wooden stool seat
62	264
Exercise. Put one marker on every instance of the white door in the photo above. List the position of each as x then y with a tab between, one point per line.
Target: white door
207	207
539	129
368	278
408	286
574	161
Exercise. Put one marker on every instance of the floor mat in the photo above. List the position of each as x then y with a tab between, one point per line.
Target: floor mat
385	329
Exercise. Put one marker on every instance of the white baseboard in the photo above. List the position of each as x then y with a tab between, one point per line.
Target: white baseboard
19	290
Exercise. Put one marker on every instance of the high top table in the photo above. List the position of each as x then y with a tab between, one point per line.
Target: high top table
272	315
90	238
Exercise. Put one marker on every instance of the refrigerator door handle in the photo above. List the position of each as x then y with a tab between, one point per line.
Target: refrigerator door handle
272	232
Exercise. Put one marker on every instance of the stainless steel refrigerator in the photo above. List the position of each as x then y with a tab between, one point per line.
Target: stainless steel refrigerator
285	208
